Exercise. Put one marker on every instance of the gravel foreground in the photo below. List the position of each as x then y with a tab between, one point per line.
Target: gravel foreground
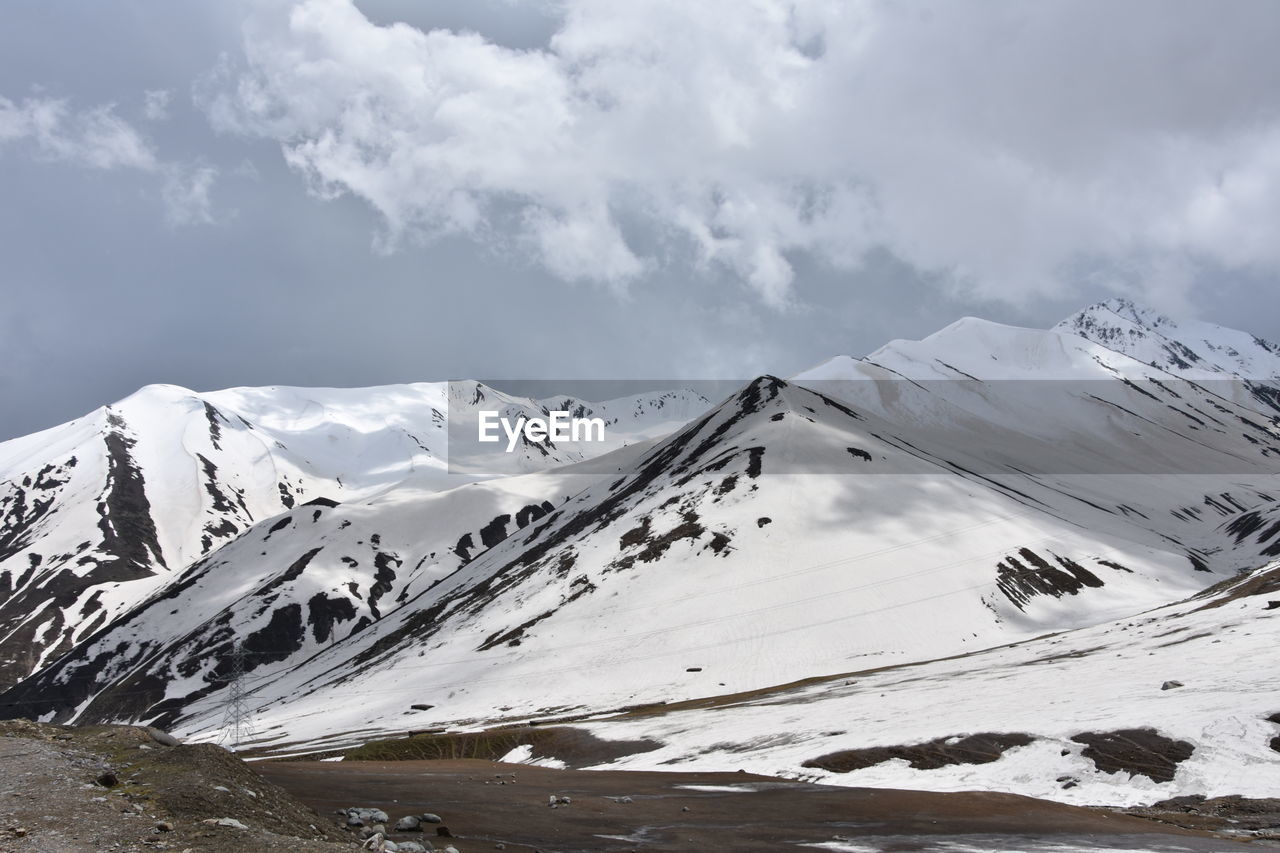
122	789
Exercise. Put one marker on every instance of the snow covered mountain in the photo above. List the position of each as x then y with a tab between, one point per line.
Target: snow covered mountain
104	511
1176	346
1194	349
971	496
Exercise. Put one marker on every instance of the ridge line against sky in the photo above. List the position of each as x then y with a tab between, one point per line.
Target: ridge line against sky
329	192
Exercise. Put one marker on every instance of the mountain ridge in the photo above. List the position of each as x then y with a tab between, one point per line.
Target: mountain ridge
939	499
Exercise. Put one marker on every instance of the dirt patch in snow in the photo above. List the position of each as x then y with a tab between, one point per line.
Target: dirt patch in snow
1143	752
1265	582
575	747
944	752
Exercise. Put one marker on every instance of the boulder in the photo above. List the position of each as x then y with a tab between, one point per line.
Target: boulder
411	823
415	847
161	737
364	815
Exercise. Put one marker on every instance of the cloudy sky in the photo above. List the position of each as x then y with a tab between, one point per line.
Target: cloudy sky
356	192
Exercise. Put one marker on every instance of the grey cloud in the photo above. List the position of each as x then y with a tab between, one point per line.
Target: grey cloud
1000	144
916	163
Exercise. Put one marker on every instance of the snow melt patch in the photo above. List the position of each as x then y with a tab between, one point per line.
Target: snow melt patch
523	754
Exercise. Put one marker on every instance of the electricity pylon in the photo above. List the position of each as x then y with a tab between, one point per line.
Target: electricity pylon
237	721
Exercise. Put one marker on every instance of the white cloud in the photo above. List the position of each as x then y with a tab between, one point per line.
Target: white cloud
1005	144
155	104
97	138
186	195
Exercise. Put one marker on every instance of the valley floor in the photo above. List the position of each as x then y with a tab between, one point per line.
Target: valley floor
488	805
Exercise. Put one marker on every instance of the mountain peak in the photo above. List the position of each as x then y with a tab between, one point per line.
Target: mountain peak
1117	307
1183	347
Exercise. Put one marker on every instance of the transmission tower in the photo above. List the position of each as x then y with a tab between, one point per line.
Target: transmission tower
237	721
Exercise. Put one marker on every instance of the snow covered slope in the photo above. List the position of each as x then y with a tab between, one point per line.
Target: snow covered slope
1169	702
104	511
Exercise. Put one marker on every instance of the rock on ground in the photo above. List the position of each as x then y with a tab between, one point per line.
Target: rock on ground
124	789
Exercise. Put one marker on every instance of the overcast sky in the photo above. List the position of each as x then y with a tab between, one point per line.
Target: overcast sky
329	192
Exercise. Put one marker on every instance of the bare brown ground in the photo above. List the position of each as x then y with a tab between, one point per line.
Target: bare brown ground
763	814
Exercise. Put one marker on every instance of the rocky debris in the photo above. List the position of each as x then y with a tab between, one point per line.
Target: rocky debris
1259	818
183	798
358	816
1170	685
556	802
